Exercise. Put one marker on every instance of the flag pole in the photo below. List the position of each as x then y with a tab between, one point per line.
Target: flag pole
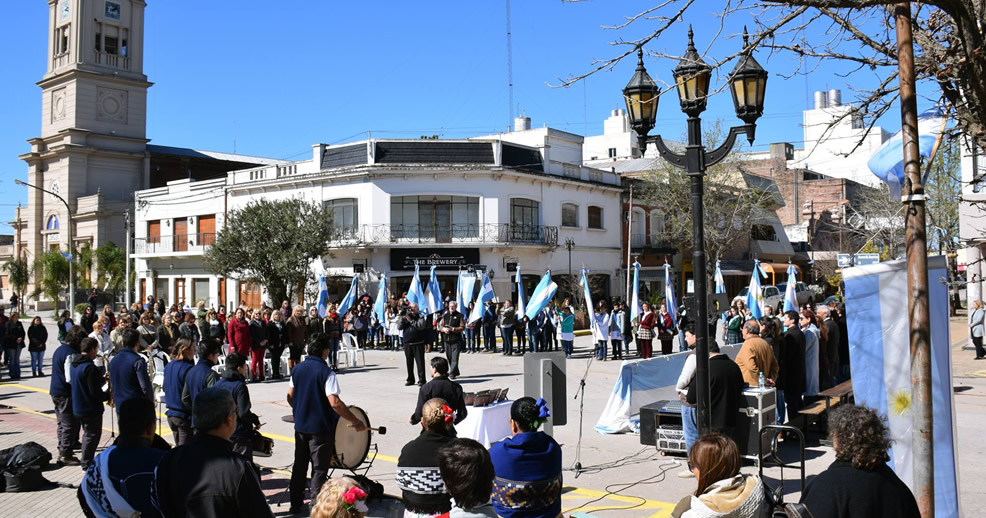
629	243
917	271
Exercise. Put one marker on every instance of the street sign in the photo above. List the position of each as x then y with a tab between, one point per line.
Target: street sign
864	259
844	260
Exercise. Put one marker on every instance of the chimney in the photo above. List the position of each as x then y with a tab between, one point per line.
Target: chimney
782	150
835	98
522	123
820	100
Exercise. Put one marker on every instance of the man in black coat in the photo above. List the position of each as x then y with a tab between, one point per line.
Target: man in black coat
415	329
441	387
205	478
452	326
791	380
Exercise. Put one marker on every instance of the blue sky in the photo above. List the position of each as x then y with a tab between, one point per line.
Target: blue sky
277	77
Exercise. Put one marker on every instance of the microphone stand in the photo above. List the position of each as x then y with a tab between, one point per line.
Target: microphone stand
581	391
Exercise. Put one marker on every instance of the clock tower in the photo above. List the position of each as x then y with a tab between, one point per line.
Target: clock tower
93	147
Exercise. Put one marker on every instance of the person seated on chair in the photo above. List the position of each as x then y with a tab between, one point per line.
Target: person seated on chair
467	471
859	483
722	490
233	380
441	387
418	477
340	498
528	479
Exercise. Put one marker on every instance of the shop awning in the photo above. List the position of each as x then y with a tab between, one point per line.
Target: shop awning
775	269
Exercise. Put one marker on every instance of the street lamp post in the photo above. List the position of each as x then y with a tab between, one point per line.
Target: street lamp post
747	84
570	244
71	249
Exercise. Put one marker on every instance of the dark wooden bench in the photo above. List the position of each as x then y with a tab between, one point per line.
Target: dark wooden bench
827	400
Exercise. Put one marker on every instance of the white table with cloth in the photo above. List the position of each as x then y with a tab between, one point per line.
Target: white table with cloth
487	424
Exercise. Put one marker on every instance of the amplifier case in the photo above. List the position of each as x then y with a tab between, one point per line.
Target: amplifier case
758	408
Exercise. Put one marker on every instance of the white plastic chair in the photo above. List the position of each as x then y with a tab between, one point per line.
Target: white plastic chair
285	357
349	348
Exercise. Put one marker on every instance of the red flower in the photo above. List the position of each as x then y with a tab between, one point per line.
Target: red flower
449	413
353	494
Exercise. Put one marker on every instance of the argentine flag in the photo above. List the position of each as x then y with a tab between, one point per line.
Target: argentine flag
588	299
879	351
381	302
416	294
754	294
521	307
485	294
542	295
323	297
720	284
349	299
635	308
466	287
791	293
888	161
433	295
669	299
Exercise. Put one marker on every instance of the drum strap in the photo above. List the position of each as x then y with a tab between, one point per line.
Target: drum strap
423	481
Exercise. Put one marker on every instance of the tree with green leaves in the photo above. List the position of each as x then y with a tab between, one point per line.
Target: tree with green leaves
111	267
271	242
51	275
85	258
19	274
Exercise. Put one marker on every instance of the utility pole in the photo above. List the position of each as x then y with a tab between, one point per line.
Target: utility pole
917	272
126	228
630	239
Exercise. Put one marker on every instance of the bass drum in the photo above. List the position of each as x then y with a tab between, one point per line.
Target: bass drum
352	446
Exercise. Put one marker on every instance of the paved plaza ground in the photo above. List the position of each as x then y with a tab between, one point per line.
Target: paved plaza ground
620	478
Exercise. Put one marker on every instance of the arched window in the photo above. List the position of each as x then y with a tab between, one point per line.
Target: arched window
52	223
569	215
638	227
657	230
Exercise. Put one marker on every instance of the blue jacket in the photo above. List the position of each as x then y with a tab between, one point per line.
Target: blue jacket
235	384
175	374
528	479
199	378
87	388
128	372
59	385
312	411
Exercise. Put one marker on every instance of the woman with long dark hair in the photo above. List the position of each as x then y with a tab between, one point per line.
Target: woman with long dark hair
645	331
37	338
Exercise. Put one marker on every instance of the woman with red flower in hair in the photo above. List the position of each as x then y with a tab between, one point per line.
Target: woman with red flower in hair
340	498
418	475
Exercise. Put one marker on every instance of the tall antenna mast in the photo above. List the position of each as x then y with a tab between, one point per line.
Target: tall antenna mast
510	69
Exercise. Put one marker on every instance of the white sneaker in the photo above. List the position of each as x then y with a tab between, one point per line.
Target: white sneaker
687	473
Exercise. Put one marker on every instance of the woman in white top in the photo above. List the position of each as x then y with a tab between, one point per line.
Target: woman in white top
394	327
616	330
976	328
601	330
102	336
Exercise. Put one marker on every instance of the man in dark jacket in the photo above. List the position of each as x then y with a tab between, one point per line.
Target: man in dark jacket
414	328
233	380
60	391
489	327
200	376
791	380
128	371
88	397
440	387
452	326
205	478
833	335
313	394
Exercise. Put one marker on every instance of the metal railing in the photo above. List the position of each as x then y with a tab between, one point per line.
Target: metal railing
175	243
490	233
638	241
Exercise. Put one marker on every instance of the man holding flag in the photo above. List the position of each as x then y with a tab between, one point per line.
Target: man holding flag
542	295
483	311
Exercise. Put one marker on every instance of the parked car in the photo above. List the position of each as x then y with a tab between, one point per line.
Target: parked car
772	297
804	295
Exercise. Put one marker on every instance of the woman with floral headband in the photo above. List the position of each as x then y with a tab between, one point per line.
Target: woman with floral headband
528	479
340	498
418	475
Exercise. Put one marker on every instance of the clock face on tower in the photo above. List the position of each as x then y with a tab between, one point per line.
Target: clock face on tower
64	9
55	189
113	10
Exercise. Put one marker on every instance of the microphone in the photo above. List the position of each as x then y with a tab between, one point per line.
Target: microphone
578	469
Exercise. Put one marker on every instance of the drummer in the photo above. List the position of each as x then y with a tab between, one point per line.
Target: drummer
313	394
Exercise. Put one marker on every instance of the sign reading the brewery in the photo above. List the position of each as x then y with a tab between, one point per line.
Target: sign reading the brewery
443	259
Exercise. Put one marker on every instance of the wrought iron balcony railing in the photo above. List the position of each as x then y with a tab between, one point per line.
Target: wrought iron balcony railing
171	244
641	241
490	233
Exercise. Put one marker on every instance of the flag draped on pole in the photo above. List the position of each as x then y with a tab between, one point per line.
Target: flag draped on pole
588	299
485	294
323	297
635	307
791	293
381	302
349	299
416	294
720	285
887	163
433	294
669	298
521	307
464	290
542	295
754	295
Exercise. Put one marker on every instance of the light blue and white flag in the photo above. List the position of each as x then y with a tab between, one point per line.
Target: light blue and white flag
323	297
380	304
433	295
879	351
521	307
416	293
635	307
888	161
791	293
584	283
485	294
464	290
754	294
720	285
543	293
669	298
349	299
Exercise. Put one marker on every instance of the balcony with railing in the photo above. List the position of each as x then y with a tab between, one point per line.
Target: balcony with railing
477	234
183	244
655	242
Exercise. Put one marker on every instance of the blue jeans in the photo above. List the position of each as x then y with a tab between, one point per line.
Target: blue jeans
37	360
566	345
780	406
689	426
13	357
507	333
489	337
334	347
601	350
616	348
534	339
